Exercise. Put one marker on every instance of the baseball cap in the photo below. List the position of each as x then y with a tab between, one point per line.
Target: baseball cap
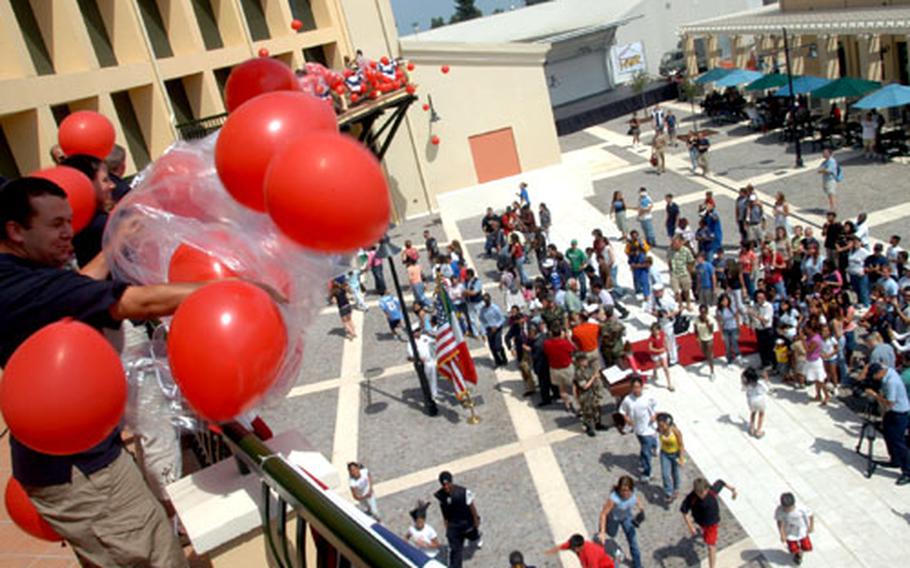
658	287
445	477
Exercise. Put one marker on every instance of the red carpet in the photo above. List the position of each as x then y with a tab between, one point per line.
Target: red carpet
690	352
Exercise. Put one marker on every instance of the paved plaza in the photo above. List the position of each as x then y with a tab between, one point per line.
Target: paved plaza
536	477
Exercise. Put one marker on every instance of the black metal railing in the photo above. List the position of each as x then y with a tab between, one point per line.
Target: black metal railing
200	128
335	533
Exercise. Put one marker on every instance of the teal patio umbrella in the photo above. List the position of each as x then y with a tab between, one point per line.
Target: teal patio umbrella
769	81
712	75
892	95
803	85
845	88
737	77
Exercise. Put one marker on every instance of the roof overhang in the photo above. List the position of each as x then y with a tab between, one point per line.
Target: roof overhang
871	20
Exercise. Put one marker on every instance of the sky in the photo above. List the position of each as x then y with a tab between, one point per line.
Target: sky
409	11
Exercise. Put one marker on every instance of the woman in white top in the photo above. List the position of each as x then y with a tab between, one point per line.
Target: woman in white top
782	213
756	388
870	125
421	534
361	484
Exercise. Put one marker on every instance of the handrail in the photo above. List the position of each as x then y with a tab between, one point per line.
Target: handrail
357	543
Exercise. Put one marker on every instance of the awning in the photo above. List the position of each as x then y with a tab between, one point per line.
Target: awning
713	75
737	77
892	95
770	20
769	81
803	85
845	88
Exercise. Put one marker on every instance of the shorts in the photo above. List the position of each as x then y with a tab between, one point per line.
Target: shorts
815	371
707	348
681	283
393	325
710	534
803	544
829	186
706	296
757	404
659	358
562	378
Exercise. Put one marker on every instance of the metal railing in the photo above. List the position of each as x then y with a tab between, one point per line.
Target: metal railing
336	532
200	128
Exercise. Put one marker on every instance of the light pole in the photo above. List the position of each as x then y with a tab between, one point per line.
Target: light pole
795	130
385	250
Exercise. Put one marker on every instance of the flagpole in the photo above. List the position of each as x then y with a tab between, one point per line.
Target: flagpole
469	404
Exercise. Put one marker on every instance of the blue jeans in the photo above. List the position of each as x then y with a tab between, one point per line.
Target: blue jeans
750	285
629	529
647	227
669	472
419	294
520	267
693	157
731	343
860	285
894	429
781	289
648	445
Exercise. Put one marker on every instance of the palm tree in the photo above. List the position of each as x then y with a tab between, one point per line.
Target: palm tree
688	90
638	83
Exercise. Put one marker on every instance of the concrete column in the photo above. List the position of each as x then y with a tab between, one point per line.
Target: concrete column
740	55
713	52
889	70
870	60
797	54
691	55
828	65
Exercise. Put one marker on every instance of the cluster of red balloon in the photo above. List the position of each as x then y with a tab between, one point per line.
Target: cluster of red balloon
376	78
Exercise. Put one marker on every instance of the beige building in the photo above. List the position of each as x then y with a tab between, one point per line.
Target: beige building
151	65
828	38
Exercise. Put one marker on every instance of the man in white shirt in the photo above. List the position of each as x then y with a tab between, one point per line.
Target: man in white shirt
665	309
645	207
640	413
426	350
856	270
763	322
893	251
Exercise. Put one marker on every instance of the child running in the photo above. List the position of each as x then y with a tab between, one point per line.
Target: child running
657	347
756	388
705	511
795	523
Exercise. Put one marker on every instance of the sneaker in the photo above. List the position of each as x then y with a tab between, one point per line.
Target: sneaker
590	431
797	559
480	541
620	556
902	480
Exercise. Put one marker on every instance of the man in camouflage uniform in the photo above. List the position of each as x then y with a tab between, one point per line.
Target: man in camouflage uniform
612	337
588	393
552	314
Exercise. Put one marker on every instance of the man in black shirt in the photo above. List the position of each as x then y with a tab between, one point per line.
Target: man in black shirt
460	515
116	167
832	231
705	510
96	500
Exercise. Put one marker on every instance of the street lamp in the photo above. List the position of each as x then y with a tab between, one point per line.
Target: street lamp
388	250
795	130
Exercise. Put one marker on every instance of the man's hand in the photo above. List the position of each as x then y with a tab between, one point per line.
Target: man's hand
602	537
693	531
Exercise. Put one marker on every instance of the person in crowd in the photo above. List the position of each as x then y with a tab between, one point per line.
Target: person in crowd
794	523
762	316
636	254
586	389
666	310
421	534
391	307
57	154
589	554
756	389
704	332
671	128
829	170
682	265
87	243
782	212
430	245
559	351
517	560
702	146
815	367
672	454
116	168
537	338
374	263
459	512
618	214
639	410
360	481
893	399
657	348
102	485
703	508
622	509
612	332
706	279
659	152
493	320
545	219
426	351
729	320
339	297
645	216
635	129
516	340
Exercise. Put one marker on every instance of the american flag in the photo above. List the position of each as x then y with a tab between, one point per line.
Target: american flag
452	356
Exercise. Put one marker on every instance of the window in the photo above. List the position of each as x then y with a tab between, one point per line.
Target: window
208	25
221	77
255	19
60	112
315	55
176	92
31	33
94	23
302	11
131	129
8	167
154	26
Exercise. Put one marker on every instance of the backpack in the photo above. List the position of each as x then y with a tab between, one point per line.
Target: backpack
839	174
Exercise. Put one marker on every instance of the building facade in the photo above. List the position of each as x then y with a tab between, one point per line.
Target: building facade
827	38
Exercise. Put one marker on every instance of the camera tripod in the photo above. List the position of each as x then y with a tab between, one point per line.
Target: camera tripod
872	424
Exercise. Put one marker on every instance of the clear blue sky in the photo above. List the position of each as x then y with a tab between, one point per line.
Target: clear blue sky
409	11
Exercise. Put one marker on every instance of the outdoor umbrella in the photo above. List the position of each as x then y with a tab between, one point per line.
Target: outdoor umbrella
769	81
892	95
803	85
737	77
846	88
713	75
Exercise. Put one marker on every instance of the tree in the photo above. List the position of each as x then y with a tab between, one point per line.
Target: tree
638	83
689	90
437	22
465	10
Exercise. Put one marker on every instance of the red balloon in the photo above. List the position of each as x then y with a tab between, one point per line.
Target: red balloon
86	132
63	389
410	66
435	140
339	88
296	25
445	69
226	345
426	106
181	175
355	98
23	513
374	94
80	192
255	77
411	89
328	193
256	131
384	60
263	52
190	264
